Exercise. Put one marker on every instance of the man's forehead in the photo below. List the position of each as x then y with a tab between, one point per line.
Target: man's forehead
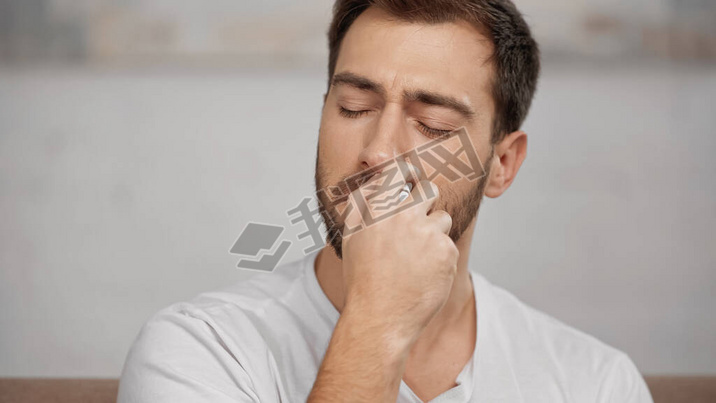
398	54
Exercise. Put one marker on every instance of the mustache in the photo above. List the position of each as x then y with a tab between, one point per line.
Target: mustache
349	183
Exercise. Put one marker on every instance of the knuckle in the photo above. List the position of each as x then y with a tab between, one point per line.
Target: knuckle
434	238
427	231
446	216
451	251
455	252
445	244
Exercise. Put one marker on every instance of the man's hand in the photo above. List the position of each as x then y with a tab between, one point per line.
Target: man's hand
397	276
399	271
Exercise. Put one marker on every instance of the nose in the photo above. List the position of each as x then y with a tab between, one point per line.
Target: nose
386	139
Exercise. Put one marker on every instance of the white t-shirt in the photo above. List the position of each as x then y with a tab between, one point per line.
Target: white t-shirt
263	340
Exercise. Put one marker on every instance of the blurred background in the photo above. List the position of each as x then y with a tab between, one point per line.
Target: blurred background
138	138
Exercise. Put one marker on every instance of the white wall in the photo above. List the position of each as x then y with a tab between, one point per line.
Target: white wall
122	191
220	31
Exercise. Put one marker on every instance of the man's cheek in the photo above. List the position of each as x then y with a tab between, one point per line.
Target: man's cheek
340	156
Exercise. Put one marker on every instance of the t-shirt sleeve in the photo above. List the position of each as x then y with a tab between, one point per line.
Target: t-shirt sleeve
624	384
178	357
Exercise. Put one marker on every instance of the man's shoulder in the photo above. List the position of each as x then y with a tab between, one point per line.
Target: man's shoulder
260	290
246	309
541	344
536	327
221	333
260	298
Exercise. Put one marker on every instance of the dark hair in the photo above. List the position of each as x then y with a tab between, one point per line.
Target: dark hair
515	58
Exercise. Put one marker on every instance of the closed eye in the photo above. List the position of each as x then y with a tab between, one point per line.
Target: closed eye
351	114
425	129
430	132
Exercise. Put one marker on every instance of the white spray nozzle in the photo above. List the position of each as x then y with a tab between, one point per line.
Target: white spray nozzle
405	192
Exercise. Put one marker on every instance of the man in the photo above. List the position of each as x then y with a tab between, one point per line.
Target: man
390	312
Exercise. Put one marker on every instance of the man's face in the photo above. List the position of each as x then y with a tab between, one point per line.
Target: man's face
396	86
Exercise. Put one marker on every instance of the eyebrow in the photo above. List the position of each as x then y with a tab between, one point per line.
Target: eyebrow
425	97
359	82
432	98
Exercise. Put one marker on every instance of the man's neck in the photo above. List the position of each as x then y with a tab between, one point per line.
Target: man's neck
458	311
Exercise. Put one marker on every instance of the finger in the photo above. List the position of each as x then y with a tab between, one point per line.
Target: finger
431	194
358	206
442	220
405	191
410	173
394	189
361	195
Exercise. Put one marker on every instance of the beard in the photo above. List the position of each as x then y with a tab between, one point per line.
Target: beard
462	208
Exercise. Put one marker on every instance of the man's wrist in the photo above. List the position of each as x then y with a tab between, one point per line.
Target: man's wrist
363	361
360	325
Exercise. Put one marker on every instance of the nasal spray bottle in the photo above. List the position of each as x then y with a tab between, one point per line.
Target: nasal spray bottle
405	192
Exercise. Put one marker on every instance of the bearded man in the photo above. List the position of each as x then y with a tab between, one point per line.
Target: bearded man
388	311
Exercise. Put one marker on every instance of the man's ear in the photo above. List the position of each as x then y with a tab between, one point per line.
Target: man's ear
508	157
